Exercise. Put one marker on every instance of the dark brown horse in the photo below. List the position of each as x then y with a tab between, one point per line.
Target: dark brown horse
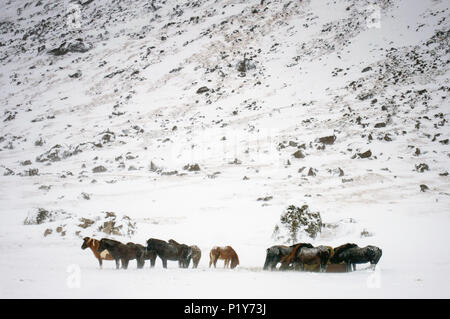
290	257
120	252
313	256
93	244
226	253
169	251
185	253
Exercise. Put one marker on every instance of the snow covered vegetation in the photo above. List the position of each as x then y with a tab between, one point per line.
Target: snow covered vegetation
222	122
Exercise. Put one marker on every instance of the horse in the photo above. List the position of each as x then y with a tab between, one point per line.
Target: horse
274	255
120	252
93	244
227	253
339	249
313	256
357	255
168	251
185	253
196	255
144	254
289	258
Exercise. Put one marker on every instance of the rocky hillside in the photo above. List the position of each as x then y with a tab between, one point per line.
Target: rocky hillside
192	113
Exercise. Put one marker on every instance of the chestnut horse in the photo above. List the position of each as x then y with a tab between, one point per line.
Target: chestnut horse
227	253
93	244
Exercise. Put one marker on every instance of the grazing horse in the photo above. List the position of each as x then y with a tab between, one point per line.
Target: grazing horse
274	255
185	253
196	255
168	251
120	251
340	249
93	244
313	256
289	258
227	253
356	255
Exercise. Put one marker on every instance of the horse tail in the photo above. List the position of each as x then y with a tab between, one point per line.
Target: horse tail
234	260
212	256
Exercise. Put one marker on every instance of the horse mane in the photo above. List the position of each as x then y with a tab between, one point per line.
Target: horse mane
174	242
290	257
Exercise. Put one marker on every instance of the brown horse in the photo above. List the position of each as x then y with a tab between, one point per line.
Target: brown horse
93	244
313	256
227	253
290	258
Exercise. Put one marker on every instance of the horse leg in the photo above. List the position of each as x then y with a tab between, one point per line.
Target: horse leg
117	263
349	267
354	267
164	262
152	262
125	263
100	263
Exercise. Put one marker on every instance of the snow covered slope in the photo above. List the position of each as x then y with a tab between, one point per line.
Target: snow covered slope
177	116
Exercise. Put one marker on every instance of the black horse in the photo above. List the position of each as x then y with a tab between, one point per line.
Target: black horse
167	251
274	255
120	252
185	253
143	254
357	255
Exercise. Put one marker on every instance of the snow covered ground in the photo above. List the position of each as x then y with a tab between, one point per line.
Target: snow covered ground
373	74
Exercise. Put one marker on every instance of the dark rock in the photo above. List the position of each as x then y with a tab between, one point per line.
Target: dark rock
366	154
299	154
74	46
76	75
366	69
422	167
423	188
25	163
99	169
192	168
203	89
328	140
312	171
378	125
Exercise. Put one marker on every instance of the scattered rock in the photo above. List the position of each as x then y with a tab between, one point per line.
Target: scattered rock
366	154
422	167
423	188
265	199
192	168
327	140
203	89
72	46
299	154
76	75
99	169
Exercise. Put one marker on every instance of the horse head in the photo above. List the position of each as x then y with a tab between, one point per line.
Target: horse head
86	241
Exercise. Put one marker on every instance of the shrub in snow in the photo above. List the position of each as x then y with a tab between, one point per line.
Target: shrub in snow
42	215
296	222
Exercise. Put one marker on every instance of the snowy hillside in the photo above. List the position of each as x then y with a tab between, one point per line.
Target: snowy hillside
202	121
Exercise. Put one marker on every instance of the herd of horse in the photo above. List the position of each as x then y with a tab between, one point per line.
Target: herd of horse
300	256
